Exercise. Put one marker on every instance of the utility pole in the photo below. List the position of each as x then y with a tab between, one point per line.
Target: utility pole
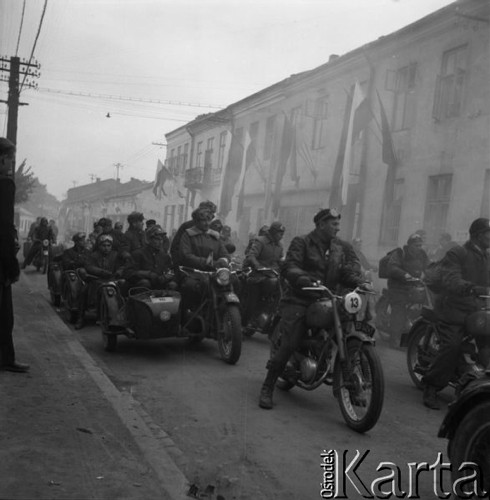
118	166
15	68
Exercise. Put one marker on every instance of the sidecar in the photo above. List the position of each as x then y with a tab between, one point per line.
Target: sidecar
144	314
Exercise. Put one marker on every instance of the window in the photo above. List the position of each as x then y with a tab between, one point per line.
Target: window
320	123
199	162
269	136
171	162
208	154
390	227
437	206
178	167
181	214
186	156
221	150
450	83
404	100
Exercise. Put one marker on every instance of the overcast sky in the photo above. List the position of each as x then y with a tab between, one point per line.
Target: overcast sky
200	52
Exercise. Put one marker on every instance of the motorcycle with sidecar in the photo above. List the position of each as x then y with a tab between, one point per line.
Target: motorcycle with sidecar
150	314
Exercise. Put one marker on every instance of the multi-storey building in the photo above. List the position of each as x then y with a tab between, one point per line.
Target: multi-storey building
320	138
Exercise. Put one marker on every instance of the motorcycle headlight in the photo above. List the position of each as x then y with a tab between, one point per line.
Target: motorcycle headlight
223	276
165	315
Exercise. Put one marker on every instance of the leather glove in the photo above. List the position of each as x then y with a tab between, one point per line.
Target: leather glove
303	281
479	290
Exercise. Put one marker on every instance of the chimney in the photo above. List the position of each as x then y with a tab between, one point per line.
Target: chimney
333	57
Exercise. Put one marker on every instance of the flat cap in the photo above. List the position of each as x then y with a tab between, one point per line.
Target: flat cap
326	213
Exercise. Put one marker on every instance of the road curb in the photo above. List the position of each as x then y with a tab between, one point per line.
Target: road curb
155	444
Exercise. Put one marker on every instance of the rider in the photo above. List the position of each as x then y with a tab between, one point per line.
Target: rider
467	275
76	256
200	248
317	256
175	245
135	235
104	263
265	251
150	265
405	266
41	233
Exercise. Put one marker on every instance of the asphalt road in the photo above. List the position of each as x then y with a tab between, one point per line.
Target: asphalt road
231	446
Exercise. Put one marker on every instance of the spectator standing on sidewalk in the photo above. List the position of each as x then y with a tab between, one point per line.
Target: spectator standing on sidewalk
9	266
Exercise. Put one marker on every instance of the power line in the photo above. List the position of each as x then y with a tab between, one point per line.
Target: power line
129	99
20	28
35	42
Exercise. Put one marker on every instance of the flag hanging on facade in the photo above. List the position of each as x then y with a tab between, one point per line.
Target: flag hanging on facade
340	180
388	154
303	152
287	139
232	174
248	158
162	175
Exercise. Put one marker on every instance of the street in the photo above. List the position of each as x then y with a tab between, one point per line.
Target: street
229	445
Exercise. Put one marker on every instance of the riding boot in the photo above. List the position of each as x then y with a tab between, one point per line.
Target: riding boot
265	400
80	322
430	397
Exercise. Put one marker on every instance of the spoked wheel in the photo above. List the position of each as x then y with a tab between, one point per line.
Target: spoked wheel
45	264
282	383
230	334
70	310
383	310
421	350
361	395
109	339
471	443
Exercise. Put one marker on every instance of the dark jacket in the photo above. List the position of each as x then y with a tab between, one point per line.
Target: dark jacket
175	245
148	259
9	266
264	252
196	247
44	233
104	266
73	259
334	264
133	240
411	260
465	267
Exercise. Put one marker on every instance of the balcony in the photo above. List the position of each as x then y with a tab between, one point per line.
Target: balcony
199	177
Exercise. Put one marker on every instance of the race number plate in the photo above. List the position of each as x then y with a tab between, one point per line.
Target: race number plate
362	326
161	300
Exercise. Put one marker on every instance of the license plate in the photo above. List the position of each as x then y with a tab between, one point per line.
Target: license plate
363	327
161	300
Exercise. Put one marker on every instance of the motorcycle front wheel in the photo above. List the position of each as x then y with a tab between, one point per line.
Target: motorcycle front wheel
360	396
109	340
421	350
471	443
383	310
282	383
230	334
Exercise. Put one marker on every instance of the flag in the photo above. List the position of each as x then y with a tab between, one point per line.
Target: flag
287	139
303	152
232	174
248	158
162	175
388	154
340	180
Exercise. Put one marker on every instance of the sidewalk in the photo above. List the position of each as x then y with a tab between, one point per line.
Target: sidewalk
65	431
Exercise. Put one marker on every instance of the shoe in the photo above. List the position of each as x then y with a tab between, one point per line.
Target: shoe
15	367
265	400
430	397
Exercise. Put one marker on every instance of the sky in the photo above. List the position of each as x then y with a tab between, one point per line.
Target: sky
101	57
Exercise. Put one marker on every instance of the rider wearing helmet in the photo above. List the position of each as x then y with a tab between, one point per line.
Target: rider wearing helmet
265	251
76	256
150	266
317	256
41	233
466	277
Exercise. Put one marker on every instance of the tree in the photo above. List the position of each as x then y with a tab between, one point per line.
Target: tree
24	183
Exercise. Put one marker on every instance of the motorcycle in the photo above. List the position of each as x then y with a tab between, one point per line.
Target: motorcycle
218	314
269	281
466	426
339	350
41	258
418	296
422	342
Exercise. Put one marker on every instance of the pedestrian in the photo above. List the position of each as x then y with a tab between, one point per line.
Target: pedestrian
9	266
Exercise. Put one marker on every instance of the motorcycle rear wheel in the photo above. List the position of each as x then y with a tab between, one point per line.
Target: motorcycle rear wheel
471	443
360	405
421	350
230	334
